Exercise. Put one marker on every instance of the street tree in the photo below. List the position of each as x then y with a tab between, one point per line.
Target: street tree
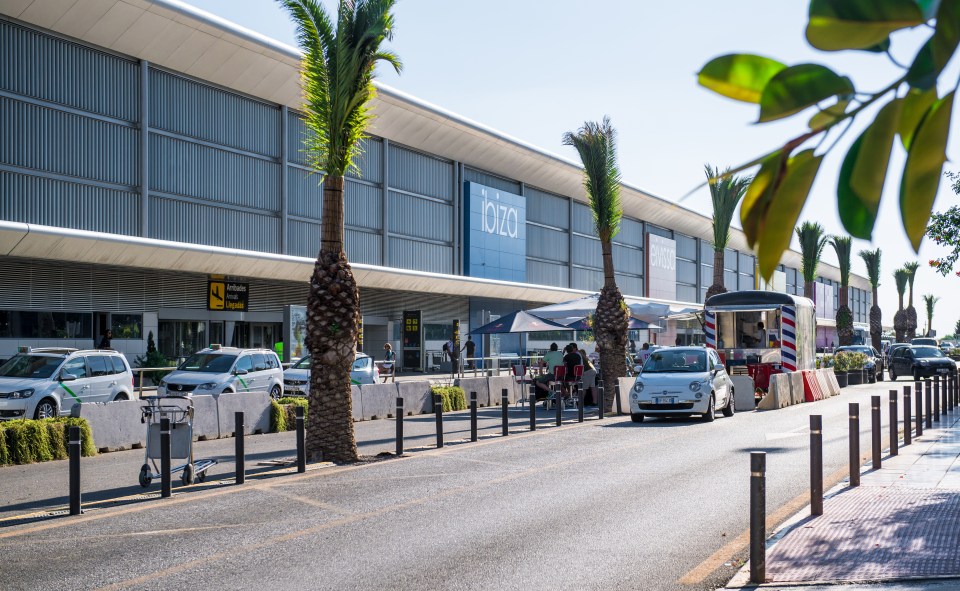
812	242
844	248
596	143
726	190
909	106
944	230
911	312
930	300
871	258
900	277
337	72
956	330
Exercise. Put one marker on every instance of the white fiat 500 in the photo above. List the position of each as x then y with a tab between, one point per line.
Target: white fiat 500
682	381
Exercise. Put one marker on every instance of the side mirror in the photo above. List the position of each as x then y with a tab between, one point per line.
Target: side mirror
637	368
715	371
240	372
67	377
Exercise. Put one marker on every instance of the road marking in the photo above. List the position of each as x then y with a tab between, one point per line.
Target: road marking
308	501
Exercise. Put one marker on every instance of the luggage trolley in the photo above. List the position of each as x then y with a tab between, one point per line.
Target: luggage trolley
179	410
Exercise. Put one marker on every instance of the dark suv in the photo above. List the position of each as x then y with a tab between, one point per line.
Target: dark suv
920	362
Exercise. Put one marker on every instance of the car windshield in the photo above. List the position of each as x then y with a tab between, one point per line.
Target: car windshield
302	364
865	350
667	361
34	367
361	363
928	342
922	352
208	363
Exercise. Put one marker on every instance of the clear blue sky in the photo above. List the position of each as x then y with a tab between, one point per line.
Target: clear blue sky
536	69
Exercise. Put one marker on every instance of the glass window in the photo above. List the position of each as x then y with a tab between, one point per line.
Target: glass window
98	366
16	324
272	361
686	247
118	366
76	367
730	259
686	272
208	363
126	326
437	332
746	263
361	363
303	363
34	367
178	339
676	361
245	363
706	252
259	361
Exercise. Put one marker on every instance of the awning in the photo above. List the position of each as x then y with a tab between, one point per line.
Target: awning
518	322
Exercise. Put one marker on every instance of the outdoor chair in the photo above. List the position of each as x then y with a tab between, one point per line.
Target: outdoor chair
521	380
559	372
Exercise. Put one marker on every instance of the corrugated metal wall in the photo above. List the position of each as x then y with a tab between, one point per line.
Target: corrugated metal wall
214	226
491	180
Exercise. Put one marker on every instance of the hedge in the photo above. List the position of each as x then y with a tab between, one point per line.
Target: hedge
27	441
283	413
453	397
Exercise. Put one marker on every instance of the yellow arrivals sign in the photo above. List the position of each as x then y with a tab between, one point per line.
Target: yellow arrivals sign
228	296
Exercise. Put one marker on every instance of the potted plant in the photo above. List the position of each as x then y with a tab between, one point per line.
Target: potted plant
152	358
856	363
841	363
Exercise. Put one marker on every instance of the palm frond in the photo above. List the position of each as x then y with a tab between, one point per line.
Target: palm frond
596	143
843	246
900	277
871	258
726	191
911	269
813	240
930	301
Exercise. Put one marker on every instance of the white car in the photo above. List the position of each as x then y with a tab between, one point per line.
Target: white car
225	369
43	383
296	378
682	381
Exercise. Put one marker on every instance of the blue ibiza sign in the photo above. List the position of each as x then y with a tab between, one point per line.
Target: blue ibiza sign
495	233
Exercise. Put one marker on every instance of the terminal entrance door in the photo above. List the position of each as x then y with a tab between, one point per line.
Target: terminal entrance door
257	335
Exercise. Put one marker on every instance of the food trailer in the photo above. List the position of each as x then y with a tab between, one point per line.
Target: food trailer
767	332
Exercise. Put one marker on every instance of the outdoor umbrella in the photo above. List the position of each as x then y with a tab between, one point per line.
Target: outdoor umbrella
518	321
635	324
578	308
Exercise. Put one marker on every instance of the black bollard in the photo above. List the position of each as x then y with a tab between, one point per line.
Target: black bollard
300	424
473	416
936	399
943	394
602	402
617	402
579	404
907	419
854	444
758	516
816	465
927	395
875	430
918	394
75	446
558	402
399	416
533	412
505	411
238	446
165	457
438	411
894	425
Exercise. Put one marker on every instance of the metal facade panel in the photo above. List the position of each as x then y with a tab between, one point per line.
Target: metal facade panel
420	218
629	285
37	200
586	252
296	135
547	243
52	69
364	205
626	260
182	221
304	240
730	259
421	174
687	293
631	232
194	170
369	161
63	143
686	247
491	180
586	279
304	193
746	263
436	309
686	272
658	231
421	256
582	221
189	108
544	273
364	247
547	208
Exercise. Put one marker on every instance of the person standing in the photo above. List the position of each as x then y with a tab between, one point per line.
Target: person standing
762	336
471	348
389	362
105	340
454	355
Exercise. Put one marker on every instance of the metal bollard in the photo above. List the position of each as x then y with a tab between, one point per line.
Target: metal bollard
300	424
505	411
943	395
558	403
74	444
399	416
438	411
533	412
875	430
602	402
854	444
165	457
473	416
936	399
758	516
579	404
918	394
927	394
816	465
907	419
894	425
238	446
617	402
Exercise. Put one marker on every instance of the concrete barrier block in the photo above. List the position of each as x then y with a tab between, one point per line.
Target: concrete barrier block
478	385
255	407
356	402
743	389
206	417
378	400
495	386
832	383
416	397
779	393
115	425
796	387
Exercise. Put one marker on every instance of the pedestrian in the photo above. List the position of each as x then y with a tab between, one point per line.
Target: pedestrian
471	348
454	352
633	346
105	340
389	362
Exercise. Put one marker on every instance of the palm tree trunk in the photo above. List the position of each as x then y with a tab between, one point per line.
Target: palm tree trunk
610	327
609	277
808	290
333	318
717	286
876	322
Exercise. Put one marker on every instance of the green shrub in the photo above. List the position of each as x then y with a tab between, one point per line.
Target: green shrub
453	397
4	452
58	440
283	414
27	441
278	417
291	408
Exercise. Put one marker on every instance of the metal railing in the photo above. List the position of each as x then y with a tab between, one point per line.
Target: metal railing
139	383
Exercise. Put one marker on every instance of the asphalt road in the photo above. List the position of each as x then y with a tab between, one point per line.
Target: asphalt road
612	504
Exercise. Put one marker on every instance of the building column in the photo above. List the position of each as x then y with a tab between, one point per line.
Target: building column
385	202
144	148
284	205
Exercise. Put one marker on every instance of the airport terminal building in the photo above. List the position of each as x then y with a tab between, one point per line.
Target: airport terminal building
152	180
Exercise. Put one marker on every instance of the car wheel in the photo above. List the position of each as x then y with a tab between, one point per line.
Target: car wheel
276	392
46	409
880	375
893	375
121	396
146	476
711	414
636	417
728	410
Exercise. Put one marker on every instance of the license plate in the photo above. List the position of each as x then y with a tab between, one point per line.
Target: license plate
293	391
943	370
665	400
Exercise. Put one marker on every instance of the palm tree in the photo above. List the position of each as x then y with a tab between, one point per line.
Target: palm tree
911	312
337	71
930	301
900	277
843	248
725	191
812	242
871	258
597	146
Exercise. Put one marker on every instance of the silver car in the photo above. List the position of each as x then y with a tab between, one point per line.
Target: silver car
682	381
225	369
296	378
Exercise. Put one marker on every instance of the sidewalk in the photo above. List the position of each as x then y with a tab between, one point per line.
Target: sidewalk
900	529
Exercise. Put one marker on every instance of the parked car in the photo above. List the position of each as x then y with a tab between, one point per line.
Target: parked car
218	370
45	382
947	346
927	341
296	378
920	362
682	381
874	359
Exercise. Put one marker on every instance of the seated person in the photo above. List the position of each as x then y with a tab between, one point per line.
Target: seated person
571	360
551	359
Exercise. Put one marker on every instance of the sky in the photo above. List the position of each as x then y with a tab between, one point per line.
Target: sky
535	69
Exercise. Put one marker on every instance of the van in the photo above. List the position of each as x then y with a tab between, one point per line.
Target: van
218	370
